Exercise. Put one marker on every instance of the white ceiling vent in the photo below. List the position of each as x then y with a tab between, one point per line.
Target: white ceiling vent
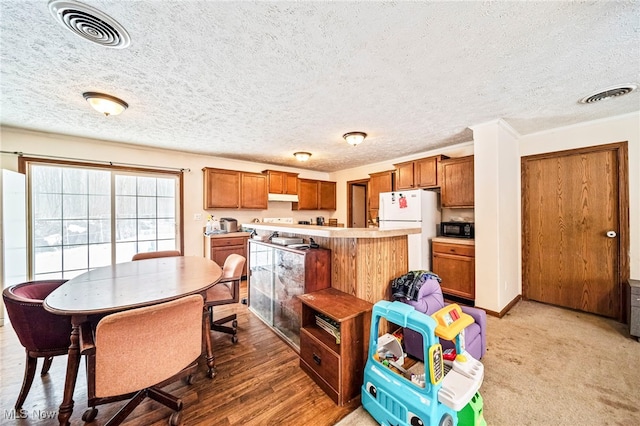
608	93
90	24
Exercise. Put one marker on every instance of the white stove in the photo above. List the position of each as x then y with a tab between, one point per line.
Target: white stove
277	220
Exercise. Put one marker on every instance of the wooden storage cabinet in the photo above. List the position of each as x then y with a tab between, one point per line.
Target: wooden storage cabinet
421	173
232	189
277	274
219	247
282	182
457	182
379	182
315	195
455	265
336	367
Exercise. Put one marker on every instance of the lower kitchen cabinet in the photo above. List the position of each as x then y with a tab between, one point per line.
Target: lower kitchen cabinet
219	247
455	264
336	364
277	274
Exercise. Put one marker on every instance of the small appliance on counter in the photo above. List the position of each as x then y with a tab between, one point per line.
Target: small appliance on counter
320	220
286	241
457	229
304	222
229	224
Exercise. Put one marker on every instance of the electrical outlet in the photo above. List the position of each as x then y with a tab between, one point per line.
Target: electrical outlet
197	216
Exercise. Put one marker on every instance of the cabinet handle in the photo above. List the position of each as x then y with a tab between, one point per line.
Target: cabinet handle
317	359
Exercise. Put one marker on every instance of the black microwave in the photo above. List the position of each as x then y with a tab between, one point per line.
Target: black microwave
457	229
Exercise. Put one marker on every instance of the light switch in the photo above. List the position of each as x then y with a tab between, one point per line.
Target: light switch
197	216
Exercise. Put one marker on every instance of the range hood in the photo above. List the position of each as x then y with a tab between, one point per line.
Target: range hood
283	197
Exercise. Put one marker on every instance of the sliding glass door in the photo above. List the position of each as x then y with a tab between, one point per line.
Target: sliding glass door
85	217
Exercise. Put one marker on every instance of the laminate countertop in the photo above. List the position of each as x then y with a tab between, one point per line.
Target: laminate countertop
453	240
329	231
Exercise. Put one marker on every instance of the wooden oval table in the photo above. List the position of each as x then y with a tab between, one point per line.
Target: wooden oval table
125	286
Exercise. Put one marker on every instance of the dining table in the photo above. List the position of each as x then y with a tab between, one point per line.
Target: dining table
122	286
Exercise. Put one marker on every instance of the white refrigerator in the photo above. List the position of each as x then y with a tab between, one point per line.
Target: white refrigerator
416	208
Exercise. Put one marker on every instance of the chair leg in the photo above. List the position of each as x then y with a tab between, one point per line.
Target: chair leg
47	364
217	325
29	373
165	398
122	414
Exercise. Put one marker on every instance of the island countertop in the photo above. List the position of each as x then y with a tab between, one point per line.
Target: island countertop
330	231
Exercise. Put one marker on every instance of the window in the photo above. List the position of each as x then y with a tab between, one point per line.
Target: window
86	217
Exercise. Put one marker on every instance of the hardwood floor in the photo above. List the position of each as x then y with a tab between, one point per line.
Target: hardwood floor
258	382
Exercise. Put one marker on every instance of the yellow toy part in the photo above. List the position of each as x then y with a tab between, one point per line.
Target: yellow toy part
451	321
436	364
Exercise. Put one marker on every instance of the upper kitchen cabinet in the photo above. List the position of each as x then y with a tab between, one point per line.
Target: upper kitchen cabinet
379	182
326	195
232	189
221	188
282	182
315	195
421	173
253	191
457	182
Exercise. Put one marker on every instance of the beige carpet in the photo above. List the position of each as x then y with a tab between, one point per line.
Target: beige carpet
551	366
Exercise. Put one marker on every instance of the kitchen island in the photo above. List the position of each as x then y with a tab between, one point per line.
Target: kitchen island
363	260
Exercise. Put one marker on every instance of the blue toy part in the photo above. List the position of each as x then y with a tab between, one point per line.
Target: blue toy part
391	398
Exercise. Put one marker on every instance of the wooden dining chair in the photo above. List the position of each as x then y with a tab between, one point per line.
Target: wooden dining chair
41	333
225	292
155	254
129	356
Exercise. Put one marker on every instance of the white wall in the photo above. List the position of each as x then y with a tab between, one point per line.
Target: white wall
17	140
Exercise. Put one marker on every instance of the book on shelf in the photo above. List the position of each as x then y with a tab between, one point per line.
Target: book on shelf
330	326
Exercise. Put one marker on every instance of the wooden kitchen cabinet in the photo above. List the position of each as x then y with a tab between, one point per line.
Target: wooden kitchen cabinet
457	182
379	182
253	191
337	366
282	182
219	247
232	189
315	195
221	189
326	195
456	266
421	173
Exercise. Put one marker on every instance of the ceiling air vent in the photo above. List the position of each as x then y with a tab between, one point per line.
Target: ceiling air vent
611	92
90	24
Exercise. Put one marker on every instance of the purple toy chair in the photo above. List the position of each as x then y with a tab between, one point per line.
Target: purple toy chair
430	300
43	334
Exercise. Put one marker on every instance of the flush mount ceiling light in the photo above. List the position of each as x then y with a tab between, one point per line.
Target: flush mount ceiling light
89	23
354	138
609	93
106	104
302	156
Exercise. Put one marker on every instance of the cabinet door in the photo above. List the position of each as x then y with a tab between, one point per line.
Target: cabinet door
221	188
457	274
253	191
276	182
404	176
457	182
326	195
379	182
426	172
308	194
290	183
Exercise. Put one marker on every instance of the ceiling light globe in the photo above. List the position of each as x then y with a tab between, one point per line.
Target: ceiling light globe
105	104
354	138
302	156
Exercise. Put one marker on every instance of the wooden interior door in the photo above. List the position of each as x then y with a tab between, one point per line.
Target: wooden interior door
570	201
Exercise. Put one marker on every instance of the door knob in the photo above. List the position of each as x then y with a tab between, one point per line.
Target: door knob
611	234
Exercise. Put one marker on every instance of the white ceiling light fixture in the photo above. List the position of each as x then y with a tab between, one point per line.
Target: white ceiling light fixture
354	138
105	104
608	93
302	156
90	23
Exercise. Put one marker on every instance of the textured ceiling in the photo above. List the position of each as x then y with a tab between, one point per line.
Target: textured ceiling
260	80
